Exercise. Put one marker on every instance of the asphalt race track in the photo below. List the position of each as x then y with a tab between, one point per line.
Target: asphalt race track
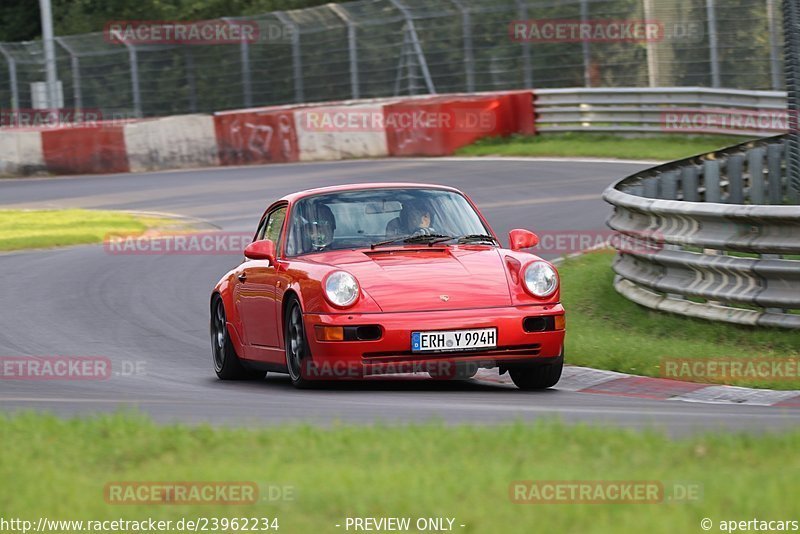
152	310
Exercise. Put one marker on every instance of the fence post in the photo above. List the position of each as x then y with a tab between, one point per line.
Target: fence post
190	78
12	77
774	59
75	67
713	45
352	46
587	54
412	31
297	60
136	94
527	71
244	57
466	33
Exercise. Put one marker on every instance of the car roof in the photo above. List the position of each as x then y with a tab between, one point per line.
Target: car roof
293	197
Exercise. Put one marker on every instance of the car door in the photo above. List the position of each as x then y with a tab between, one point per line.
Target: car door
257	296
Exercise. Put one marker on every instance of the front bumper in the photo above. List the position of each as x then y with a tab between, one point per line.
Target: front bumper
392	352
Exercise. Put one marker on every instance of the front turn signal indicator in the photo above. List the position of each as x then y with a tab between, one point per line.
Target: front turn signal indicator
329	333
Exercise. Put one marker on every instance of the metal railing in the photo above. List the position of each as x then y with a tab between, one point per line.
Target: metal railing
714	236
377	48
662	109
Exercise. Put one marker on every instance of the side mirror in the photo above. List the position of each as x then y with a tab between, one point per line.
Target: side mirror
520	239
261	250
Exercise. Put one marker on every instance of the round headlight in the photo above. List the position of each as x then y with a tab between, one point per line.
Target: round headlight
341	288
541	279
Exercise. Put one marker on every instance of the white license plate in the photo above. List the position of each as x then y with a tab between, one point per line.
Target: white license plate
450	340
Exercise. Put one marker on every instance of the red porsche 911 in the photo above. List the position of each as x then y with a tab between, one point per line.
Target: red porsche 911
359	280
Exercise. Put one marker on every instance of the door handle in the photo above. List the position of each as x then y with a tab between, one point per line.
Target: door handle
242	276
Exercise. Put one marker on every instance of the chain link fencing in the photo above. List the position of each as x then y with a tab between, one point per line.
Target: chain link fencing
384	48
791	21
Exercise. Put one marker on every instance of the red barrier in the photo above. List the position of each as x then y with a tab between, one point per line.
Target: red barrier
85	150
438	126
265	135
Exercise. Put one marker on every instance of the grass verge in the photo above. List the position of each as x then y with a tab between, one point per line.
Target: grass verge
24	229
58	469
655	147
607	331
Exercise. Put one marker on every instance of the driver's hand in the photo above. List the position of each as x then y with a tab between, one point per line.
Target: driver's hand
424	231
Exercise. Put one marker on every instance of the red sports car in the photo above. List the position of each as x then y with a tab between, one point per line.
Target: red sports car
358	280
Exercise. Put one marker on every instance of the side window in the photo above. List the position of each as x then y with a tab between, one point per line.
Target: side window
262	227
273	226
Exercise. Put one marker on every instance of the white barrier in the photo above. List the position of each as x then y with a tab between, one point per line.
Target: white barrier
331	132
21	152
171	143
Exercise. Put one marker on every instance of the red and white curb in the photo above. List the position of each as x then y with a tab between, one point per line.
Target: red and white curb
586	380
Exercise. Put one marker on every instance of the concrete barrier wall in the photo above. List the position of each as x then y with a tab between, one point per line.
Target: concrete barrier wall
416	126
21	152
341	132
171	143
254	136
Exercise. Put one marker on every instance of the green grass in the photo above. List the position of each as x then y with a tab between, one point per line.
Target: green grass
607	331
656	147
24	229
59	468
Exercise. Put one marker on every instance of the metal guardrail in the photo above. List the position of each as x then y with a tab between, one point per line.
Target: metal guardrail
714	236
661	109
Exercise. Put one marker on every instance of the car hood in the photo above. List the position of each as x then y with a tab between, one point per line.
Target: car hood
429	278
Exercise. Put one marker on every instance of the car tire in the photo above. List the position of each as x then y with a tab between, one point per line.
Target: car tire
298	354
537	376
226	362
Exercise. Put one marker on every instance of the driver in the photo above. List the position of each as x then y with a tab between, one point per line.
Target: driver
418	220
319	231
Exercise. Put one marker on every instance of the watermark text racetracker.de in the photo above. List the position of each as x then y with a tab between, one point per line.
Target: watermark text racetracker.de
233	243
149	524
179	493
729	369
603	31
177	243
67	368
604	492
360	119
197	32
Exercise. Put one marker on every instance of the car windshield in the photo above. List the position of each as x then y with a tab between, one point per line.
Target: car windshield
364	218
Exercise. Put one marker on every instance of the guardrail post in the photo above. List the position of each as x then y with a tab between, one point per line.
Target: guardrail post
774	168
75	67
755	166
711	181
669	186
12	78
690	184
734	170
650	187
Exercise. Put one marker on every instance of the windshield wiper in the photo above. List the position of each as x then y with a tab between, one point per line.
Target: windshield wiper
475	238
424	238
